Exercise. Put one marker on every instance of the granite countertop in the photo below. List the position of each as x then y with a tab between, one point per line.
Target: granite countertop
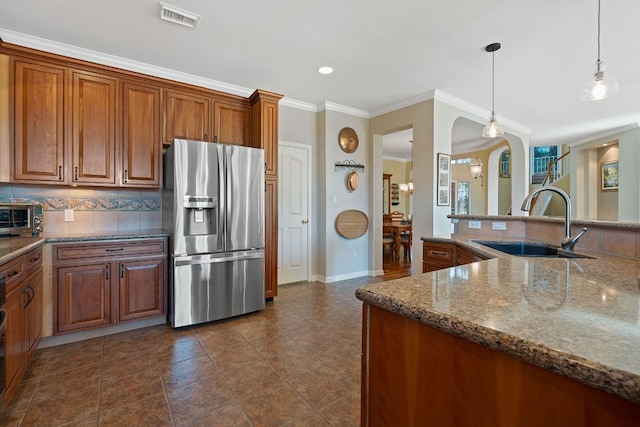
576	317
12	247
104	235
617	225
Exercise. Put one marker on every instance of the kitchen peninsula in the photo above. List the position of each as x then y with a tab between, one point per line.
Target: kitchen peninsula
503	342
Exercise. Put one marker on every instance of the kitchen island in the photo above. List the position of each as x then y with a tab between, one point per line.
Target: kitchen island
509	341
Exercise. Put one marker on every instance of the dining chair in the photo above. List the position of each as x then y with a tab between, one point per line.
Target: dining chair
396	215
406	239
388	240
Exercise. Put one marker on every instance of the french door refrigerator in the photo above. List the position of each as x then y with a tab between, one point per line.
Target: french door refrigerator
213	204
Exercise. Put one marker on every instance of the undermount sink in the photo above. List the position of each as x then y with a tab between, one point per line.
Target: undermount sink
529	249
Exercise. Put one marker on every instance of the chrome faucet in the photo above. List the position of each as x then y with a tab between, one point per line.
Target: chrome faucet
568	242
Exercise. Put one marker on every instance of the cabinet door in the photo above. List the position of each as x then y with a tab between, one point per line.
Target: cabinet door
264	128
33	315
38	122
83	297
271	238
14	342
93	128
231	123
186	116
142	289
141	146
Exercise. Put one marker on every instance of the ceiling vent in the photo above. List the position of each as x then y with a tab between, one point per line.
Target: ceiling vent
178	16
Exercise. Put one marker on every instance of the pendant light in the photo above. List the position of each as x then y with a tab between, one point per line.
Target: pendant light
492	129
602	85
475	168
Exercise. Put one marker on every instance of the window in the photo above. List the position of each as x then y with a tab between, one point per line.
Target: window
505	159
464	161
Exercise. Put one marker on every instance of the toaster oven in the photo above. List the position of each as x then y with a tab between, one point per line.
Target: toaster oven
21	220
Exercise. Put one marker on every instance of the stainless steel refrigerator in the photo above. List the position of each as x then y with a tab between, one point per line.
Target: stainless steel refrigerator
213	203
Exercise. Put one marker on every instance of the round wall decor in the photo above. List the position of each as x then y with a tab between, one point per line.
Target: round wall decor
352	224
348	139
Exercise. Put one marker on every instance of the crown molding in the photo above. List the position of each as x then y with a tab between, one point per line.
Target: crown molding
474	109
404	103
300	105
115	61
330	106
141	67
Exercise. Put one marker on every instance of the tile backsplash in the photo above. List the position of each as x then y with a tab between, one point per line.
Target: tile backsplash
95	209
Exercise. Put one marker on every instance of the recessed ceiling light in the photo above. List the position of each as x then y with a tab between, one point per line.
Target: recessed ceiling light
325	70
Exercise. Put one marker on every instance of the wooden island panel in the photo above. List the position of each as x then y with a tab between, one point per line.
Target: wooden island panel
415	375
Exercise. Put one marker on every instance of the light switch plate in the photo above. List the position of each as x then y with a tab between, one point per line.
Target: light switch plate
499	225
68	215
475	224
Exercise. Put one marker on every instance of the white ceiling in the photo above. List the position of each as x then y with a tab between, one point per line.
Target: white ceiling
383	52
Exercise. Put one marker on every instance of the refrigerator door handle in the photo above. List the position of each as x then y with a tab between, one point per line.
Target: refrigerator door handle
215	258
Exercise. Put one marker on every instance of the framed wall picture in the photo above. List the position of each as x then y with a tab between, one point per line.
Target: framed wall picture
609	175
444	180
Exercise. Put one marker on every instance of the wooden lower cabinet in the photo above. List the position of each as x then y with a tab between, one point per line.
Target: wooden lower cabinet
416	375
98	284
24	316
438	255
139	291
84	296
33	315
15	362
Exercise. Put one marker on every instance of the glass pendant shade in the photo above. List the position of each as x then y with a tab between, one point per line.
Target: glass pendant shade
601	86
492	129
475	167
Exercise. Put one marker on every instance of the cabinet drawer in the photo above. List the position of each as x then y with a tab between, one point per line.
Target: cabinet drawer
438	252
33	260
14	272
64	252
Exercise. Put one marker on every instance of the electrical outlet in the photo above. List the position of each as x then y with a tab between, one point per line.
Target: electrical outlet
475	224
68	215
499	225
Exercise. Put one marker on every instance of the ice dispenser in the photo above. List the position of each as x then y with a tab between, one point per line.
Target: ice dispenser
201	215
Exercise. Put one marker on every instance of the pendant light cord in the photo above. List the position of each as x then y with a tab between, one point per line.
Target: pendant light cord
598	35
493	85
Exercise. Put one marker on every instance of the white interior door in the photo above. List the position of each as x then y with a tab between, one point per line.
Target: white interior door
293	213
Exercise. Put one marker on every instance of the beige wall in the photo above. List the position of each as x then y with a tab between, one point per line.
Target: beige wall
607	200
400	173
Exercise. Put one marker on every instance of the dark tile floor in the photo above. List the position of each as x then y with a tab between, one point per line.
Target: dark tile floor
296	363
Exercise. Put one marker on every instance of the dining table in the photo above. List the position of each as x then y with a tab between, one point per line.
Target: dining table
397	228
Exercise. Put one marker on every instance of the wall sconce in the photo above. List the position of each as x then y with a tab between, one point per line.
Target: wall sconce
475	167
407	188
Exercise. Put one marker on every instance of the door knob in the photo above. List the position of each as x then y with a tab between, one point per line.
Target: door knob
304	221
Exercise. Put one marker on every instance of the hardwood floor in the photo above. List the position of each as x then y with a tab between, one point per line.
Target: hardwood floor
396	268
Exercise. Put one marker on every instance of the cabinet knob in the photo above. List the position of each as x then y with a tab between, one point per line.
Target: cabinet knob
126	175
60	173
305	221
75	176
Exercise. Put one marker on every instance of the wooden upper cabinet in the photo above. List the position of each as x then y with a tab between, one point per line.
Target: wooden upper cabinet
38	122
141	146
264	125
231	123
186	116
94	135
